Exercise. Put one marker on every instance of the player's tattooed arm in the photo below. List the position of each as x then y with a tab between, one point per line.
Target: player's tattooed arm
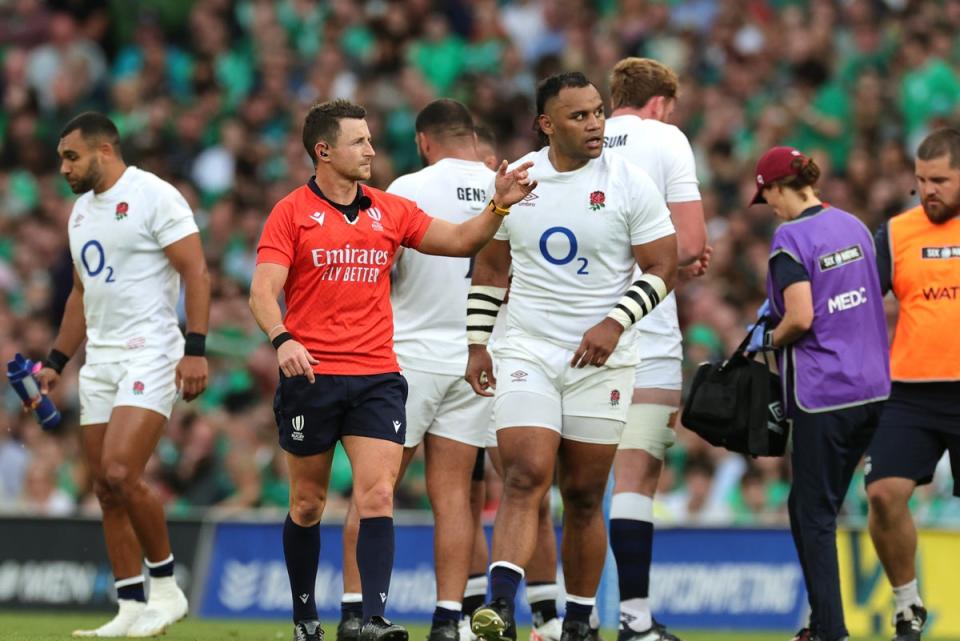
491	272
73	329
186	256
293	357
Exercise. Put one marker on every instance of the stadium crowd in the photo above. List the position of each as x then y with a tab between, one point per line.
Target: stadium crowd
210	96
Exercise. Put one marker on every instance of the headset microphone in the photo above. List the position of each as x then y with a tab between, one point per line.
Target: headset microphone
364	202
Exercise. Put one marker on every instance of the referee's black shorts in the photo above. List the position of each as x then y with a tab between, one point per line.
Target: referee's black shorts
919	423
313	417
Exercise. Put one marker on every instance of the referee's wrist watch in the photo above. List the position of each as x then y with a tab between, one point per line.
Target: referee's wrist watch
768	339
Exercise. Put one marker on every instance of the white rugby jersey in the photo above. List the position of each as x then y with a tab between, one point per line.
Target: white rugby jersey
571	243
130	289
664	152
429	293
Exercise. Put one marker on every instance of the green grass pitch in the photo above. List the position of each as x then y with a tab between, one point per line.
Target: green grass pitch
45	626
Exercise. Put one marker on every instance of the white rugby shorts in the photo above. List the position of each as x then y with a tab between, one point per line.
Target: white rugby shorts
147	382
445	405
661	373
537	387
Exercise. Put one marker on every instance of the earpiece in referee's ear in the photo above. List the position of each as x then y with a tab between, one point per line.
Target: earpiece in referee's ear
323	154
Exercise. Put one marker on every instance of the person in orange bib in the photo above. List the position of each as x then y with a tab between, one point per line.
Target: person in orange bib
918	253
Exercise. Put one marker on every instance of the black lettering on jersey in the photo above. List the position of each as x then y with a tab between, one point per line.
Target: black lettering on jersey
941	293
933	253
471	194
840	258
615	141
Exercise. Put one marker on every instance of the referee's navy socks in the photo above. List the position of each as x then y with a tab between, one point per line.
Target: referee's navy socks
504	582
375	561
301	550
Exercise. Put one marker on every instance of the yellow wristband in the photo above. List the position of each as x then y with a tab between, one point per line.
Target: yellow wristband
498	210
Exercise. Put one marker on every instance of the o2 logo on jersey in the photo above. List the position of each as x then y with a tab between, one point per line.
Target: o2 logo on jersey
94	260
571	254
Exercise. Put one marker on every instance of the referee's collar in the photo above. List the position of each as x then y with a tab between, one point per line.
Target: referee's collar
352	210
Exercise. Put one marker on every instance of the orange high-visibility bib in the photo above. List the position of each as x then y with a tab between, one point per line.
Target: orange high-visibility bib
926	280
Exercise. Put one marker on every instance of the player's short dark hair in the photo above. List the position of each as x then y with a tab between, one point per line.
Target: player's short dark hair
93	125
942	142
634	81
323	122
445	117
550	87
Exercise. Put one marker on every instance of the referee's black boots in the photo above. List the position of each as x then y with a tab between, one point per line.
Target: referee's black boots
307	631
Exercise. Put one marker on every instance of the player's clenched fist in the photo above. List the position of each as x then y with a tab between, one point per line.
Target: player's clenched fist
598	343
480	371
295	360
191	376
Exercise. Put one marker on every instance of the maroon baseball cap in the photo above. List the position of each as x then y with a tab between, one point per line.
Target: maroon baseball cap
776	164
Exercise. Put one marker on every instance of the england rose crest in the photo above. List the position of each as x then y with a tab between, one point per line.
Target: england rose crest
597	200
615	398
138	387
122	209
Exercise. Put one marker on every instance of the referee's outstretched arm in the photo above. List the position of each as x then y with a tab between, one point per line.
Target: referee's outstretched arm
467	238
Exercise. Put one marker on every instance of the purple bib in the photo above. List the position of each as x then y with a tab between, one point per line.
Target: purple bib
843	360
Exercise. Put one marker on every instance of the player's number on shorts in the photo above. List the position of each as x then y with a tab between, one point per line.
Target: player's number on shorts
94	260
571	253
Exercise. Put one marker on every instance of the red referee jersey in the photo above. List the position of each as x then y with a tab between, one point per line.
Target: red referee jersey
338	288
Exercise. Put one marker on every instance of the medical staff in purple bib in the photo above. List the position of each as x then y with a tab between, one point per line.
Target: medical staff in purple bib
826	322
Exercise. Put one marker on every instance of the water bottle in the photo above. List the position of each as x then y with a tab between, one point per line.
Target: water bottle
20	372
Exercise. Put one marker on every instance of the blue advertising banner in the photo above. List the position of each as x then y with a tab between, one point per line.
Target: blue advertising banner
247	576
708	579
727	579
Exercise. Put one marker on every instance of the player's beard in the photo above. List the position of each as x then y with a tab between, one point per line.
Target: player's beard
939	212
89	180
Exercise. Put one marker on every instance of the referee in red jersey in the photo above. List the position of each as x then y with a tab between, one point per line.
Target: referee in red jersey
329	246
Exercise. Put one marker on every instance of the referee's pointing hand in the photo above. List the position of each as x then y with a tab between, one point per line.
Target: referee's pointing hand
295	360
513	186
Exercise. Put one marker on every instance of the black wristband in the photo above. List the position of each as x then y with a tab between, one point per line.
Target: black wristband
280	339
56	360
196	344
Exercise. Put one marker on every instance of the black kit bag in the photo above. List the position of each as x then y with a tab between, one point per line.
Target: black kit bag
736	404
